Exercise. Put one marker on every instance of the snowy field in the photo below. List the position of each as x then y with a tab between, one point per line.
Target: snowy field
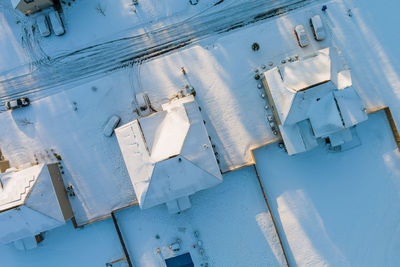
338	209
232	221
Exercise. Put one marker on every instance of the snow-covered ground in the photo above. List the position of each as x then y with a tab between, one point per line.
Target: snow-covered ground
226	90
332	208
232	222
338	209
71	123
70	58
93	245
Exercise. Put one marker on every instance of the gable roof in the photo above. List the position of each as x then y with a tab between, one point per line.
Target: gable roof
168	155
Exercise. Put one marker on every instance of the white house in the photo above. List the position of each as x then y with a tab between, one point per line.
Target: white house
32	200
169	156
313	98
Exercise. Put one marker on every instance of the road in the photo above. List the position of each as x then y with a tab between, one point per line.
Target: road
50	73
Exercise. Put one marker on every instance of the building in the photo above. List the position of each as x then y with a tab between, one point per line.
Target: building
31	6
32	200
169	156
312	99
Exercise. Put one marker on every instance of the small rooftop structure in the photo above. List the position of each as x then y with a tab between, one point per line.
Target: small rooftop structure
31	6
32	201
168	155
311	98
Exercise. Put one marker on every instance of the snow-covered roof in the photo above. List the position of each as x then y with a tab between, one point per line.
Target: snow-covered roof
313	70
304	95
28	203
168	155
15	186
15	3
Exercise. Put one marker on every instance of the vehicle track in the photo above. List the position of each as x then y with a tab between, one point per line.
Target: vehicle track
70	67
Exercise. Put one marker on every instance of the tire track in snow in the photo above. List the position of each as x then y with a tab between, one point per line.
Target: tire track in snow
115	54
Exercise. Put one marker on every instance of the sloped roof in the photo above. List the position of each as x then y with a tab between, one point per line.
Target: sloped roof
324	116
308	102
28	204
15	186
167	134
303	92
293	83
168	155
24	222
351	106
313	70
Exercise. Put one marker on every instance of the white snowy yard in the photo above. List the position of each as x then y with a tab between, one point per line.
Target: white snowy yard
232	220
338	208
331	208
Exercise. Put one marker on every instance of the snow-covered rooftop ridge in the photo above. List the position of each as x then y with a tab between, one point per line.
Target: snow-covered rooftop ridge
310	101
15	186
165	132
313	70
168	155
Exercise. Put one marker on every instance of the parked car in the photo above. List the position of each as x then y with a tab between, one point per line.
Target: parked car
318	28
56	23
301	35
17	103
111	124
43	25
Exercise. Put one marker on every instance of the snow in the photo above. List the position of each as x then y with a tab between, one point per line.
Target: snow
28	204
337	208
15	3
16	185
238	231
93	245
14	55
71	123
24	222
344	79
307	72
168	155
233	225
314	198
304	90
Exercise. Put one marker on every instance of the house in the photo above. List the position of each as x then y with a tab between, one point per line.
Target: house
32	200
313	99
31	6
169	156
